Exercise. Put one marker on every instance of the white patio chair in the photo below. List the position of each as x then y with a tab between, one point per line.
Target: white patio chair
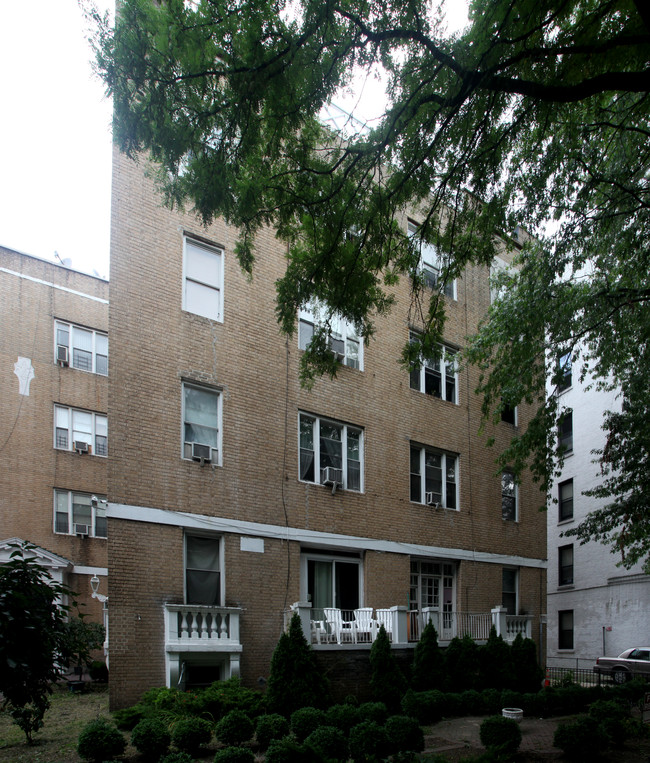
338	627
364	625
385	618
318	631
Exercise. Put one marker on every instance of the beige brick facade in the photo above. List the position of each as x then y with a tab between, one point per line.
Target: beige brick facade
253	496
33	295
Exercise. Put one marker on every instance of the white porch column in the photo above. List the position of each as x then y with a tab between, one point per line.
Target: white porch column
303	608
431	615
499	620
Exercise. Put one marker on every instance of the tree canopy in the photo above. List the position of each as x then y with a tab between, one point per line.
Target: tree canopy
537	114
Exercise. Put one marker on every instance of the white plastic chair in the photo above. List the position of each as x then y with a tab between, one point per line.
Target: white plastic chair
385	618
338	626
363	625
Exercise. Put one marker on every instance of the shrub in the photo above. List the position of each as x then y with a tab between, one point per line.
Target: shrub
582	739
387	682
461	664
235	728
268	727
527	672
368	741
98	671
151	739
177	757
221	697
234	755
611	716
500	734
288	750
373	711
100	740
343	717
404	734
328	743
426	706
472	703
427	669
295	679
128	717
306	720
189	734
495	663
492	701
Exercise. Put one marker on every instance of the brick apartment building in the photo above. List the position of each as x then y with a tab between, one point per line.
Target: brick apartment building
53	419
218	521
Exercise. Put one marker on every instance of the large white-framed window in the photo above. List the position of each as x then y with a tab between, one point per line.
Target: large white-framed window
203	279
432	264
330	451
565	500
437	377
203	573
434	477
201	423
79	513
80	347
83	431
332	580
432	586
509	496
510	589
344	339
565	432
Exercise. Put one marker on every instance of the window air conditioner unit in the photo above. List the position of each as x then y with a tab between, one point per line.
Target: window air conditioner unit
202	453
429	500
82	530
62	355
330	475
337	346
81	447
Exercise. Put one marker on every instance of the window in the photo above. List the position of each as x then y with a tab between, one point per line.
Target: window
344	339
81	348
202	570
437	377
203	287
509	414
565	629
333	581
324	444
563	372
508	496
201	422
79	513
497	269
565	500
432	585
434	477
509	585
565	565
73	427
565	432
433	265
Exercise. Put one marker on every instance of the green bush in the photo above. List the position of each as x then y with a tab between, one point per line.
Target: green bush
128	717
426	706
373	711
288	750
500	734
190	734
404	734
234	755
306	720
328	744
495	663
98	671
368	741
343	717
427	668
387	682
268	727
221	697
527	672
612	716
492	701
582	739
151	739
472	703
177	757
461	664
235	728
100	740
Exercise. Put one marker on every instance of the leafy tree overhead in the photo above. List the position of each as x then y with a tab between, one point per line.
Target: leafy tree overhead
538	112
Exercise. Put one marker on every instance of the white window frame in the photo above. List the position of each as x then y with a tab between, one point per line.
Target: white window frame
346	430
186	444
64	419
440	368
344	339
431	262
515	415
201	284
509	475
497	267
423	451
312	555
97	503
563	500
98	342
564	367
217	539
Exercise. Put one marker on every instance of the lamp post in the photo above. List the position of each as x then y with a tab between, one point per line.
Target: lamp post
94	584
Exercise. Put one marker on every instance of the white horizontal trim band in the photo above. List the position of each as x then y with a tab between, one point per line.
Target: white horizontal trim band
56	285
223	525
79	569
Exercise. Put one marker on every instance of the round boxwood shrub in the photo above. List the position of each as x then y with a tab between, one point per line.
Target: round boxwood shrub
288	750
582	739
151	739
306	720
471	703
368	740
268	727
404	734
100	740
343	717
373	711
177	757
427	706
500	734
234	728
234	755
128	717
327	743
190	734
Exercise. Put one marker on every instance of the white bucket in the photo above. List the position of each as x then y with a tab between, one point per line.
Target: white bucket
513	712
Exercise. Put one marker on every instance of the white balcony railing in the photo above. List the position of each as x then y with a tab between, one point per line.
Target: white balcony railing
195	627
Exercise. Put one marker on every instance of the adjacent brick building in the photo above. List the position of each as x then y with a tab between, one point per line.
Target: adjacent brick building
53	419
218	521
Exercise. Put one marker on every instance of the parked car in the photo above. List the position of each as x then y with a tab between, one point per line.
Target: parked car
631	663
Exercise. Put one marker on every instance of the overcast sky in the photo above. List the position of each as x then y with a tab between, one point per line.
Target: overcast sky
55	140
